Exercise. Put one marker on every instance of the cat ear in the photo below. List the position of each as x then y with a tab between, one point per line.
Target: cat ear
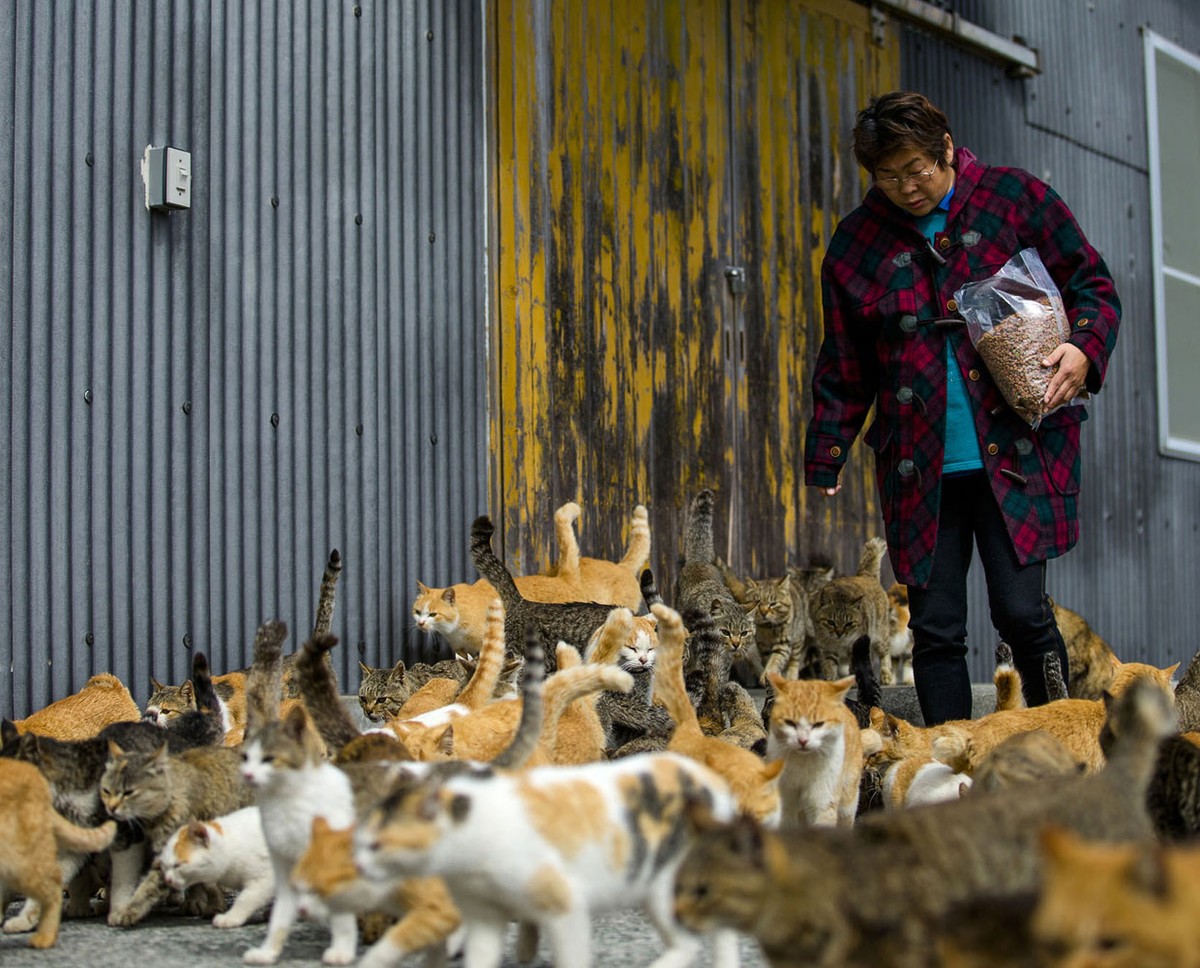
397	670
198	833
156	685
363	667
1116	663
840	687
295	722
186	690
445	742
114	749
715	607
424	589
448	596
892	724
9	734
1170	670
776	680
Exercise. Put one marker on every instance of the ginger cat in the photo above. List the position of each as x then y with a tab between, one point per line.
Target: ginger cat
327	879
612	582
1130	905
754	783
102	700
816	740
31	834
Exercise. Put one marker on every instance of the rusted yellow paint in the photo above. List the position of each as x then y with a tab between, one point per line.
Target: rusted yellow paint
640	148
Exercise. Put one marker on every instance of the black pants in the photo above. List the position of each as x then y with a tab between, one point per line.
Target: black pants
1017	600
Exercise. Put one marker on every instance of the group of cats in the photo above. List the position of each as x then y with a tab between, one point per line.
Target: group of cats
577	758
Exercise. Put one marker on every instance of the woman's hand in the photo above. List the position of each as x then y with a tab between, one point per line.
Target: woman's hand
1066	383
831	491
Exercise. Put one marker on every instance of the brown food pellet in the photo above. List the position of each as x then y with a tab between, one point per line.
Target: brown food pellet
1013	351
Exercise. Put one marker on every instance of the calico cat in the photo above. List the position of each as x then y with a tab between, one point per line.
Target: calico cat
31	835
551	846
700	589
613	582
1130	905
1089	657
816	740
900	637
848	607
826	898
230	853
160	793
570	622
754	784
102	700
327	880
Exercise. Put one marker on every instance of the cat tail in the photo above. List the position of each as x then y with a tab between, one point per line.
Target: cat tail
735	585
955	748
491	567
323	624
81	840
480	688
264	682
568	544
870	692
606	642
1056	686
669	687
320	695
650	593
575	682
871	558
1007	680
529	729
637	550
207	703
698	536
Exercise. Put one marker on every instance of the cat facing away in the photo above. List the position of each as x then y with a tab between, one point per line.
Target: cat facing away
1089	657
102	700
743	876
848	607
229	852
549	846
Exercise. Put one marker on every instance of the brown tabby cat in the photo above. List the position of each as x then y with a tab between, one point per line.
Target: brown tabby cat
382	693
613	582
1090	658
31	835
1187	697
169	702
753	783
102	700
1127	905
782	624
826	898
847	608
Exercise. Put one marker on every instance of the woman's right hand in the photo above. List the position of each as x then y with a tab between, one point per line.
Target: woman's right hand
831	491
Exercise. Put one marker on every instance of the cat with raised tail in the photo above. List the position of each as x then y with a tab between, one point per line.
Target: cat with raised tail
848	607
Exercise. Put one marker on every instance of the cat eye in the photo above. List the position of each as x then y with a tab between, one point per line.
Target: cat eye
818	724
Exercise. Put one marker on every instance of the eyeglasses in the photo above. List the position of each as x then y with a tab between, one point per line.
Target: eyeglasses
895	183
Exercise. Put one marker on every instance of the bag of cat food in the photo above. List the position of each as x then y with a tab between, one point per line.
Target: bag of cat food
1016	318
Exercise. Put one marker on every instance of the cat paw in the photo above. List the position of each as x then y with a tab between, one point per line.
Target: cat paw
260	956
336	956
19	923
125	917
228	920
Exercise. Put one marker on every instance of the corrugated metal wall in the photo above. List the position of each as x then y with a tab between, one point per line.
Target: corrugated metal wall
199	406
643	149
1081	125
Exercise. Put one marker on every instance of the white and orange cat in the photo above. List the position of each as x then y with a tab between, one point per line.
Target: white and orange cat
102	700
31	834
816	737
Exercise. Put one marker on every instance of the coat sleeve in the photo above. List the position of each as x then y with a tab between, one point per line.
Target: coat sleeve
844	385
1079	271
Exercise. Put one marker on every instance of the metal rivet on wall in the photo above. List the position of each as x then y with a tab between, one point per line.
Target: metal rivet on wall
362	646
357	10
87	396
429	35
187	641
274	420
187	406
432	237
358	218
433	438
88	639
359	429
89	160
274	201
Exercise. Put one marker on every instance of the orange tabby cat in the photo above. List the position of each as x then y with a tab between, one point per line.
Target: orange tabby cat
31	832
754	784
327	872
1126	905
102	700
614	582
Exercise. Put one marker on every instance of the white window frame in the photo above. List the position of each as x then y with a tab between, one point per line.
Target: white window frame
1171	446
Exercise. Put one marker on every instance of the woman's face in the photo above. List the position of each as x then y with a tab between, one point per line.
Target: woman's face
915	180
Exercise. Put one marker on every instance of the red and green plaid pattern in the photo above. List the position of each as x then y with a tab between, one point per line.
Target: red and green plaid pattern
882	292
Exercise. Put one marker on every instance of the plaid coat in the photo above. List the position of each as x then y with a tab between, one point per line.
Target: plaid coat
889	310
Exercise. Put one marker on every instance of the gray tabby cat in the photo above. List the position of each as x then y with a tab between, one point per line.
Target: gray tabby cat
825	898
847	608
1187	697
700	589
382	693
570	622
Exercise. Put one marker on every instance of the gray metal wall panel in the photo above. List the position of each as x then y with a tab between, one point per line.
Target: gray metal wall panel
1081	125
201	405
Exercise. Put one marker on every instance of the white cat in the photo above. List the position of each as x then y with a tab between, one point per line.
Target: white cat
551	846
284	763
230	853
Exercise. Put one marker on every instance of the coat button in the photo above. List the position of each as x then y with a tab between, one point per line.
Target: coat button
835	451
993	449
1082	321
944	243
904	395
908	323
973	374
906	468
1024	446
951	305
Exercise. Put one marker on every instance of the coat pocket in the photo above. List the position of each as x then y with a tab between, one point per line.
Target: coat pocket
1058	445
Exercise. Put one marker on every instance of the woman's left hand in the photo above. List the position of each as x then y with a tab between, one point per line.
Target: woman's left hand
1067	381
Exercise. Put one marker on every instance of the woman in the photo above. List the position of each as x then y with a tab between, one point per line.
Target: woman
956	468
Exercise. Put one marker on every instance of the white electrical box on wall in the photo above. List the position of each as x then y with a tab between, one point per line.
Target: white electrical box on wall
167	173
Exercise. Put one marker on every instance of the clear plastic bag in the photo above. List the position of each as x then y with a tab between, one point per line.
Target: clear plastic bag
1016	318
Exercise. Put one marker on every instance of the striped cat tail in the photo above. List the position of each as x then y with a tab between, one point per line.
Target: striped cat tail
870	693
1056	686
323	624
637	551
650	594
533	675
698	536
480	688
1007	680
570	684
872	557
320	695
491	567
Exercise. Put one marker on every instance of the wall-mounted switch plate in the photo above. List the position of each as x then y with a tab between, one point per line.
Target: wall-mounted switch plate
167	173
